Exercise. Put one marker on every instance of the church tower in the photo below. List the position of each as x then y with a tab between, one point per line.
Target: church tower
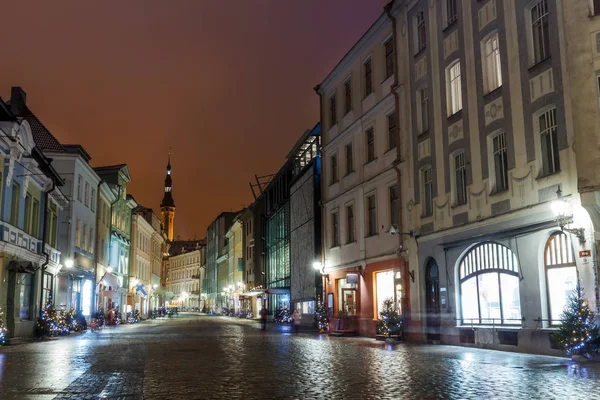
167	206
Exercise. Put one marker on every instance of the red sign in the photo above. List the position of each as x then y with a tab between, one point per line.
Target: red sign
585	253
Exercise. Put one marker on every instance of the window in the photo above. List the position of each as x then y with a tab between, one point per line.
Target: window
540	31
79	187
596	7
451	12
28	206
489	286
346	297
52	225
24	295
370	145
334	169
394	205
368	78
460	179
84	238
93	200
549	142
35	220
423	110
421	31
492	67
371	216
427	183
391	131
349	159
348	96
454	92
91	241
561	273
384	282
350	221
46	287
15	202
335	227
87	195
333	110
77	233
500	162
389	57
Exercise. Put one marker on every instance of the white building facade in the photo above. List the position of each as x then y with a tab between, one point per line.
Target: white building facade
183	279
141	262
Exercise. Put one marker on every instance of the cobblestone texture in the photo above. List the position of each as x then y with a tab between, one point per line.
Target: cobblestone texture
202	357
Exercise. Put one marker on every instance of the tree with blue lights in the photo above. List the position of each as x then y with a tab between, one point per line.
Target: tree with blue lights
577	333
3	330
321	316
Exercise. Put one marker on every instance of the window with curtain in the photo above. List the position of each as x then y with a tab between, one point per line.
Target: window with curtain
454	91
561	273
489	286
492	67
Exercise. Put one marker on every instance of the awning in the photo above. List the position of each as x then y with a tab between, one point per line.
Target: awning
111	280
22	267
279	290
253	293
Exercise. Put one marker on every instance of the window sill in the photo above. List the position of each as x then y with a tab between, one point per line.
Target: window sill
349	173
450	25
350	243
370	162
456	206
425	132
542	176
333	183
542	61
368	95
497	327
421	50
336	247
372	235
390	150
495	192
426	215
455	117
491	93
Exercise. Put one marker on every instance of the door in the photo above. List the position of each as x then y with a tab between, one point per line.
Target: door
432	300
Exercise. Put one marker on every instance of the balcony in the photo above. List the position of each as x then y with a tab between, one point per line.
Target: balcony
17	237
195	292
195	276
54	255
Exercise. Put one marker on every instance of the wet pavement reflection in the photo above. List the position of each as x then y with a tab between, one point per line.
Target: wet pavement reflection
193	356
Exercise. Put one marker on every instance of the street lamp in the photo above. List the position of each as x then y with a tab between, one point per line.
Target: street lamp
69	263
109	270
561	208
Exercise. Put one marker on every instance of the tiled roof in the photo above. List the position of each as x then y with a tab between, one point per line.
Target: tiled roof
41	135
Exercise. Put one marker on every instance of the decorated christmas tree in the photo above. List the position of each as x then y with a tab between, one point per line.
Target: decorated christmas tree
3	330
321	316
47	323
282	315
390	321
71	320
577	333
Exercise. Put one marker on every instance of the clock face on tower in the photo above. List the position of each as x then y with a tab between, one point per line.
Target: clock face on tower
168	189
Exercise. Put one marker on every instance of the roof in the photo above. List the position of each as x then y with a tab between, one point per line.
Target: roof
42	137
77	149
110	168
315	131
5	114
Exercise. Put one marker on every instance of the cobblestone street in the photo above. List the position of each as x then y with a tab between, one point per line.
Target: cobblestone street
193	356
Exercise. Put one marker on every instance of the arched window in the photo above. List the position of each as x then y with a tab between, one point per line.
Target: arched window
561	273
489	286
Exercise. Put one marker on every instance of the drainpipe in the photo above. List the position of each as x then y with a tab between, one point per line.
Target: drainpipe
96	248
317	90
44	228
394	89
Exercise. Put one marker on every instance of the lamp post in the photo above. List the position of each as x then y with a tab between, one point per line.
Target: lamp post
563	212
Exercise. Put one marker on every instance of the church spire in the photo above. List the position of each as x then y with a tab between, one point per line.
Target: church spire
167	206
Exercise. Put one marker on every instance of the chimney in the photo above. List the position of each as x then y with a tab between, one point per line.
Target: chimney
17	101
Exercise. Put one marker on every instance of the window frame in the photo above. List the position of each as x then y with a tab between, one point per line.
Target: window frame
347	95
334	168
491	62
371	214
450	12
350	224
426	175
79	187
15	204
392	127
421	31
335	229
546	166
370	145
470	266
459	165
423	109
389	54
368	76
349	158
454	88
393	202
332	111
539	55
499	155
569	261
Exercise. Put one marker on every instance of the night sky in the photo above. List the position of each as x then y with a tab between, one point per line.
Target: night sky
227	84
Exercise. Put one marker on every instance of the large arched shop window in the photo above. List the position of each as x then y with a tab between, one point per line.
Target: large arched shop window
489	285
561	273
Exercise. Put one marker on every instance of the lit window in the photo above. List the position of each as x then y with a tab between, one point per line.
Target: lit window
454	88
460	178
561	273
492	67
385	290
489	286
540	31
549	142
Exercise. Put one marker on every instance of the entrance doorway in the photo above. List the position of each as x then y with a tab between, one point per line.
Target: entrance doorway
432	300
